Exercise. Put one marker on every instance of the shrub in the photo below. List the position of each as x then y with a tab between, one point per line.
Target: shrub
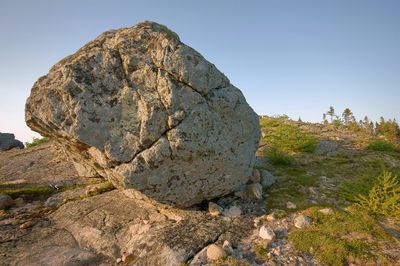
383	198
288	137
36	142
278	157
381	145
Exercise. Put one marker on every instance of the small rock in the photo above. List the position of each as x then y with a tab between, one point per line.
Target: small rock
239	194
270	217
291	205
313	192
254	191
233	211
255	177
27	224
5	201
227	246
19	202
323	179
301	221
51	202
267	178
214	252
326	211
214	209
267	233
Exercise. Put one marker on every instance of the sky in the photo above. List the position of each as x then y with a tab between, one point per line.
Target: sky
293	57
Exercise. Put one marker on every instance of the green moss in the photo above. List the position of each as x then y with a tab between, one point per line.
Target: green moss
333	239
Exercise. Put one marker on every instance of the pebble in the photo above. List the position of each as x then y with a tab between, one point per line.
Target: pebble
301	221
214	209
256	176
215	252
227	246
233	211
326	211
254	191
27	224
267	233
270	217
291	205
5	201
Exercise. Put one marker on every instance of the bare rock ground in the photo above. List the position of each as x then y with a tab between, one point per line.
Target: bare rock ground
71	227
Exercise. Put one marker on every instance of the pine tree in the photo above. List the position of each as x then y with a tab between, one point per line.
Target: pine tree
331	112
347	116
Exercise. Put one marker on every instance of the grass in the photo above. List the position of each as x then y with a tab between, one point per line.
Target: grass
278	157
27	191
36	142
286	135
342	237
230	261
261	251
381	145
100	189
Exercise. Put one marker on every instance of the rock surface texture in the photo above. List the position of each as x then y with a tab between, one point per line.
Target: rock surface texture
8	142
150	114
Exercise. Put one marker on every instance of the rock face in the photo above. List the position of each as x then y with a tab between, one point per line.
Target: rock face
8	142
150	114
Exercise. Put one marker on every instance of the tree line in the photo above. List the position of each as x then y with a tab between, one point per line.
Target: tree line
386	128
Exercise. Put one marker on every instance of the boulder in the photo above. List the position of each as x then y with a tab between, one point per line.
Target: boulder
8	142
150	114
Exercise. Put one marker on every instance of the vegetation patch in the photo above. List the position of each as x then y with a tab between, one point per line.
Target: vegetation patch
381	145
36	142
278	157
29	192
343	237
286	135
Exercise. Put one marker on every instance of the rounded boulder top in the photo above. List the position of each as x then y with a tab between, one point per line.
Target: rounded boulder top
150	114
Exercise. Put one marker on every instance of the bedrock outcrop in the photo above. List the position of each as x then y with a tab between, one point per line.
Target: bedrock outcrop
150	114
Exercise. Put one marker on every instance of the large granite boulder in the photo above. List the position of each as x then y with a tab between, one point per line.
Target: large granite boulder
8	142
150	114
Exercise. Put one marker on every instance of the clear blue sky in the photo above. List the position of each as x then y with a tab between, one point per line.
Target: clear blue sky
288	57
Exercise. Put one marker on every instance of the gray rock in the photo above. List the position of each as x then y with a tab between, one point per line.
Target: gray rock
267	178
142	109
267	233
112	225
301	221
326	146
5	201
254	191
233	211
8	142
